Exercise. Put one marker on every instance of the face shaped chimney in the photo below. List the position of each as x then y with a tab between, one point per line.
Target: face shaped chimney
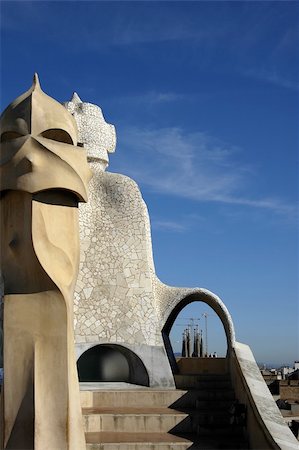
39	146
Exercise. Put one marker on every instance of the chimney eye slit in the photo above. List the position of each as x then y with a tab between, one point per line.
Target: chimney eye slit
10	136
56	134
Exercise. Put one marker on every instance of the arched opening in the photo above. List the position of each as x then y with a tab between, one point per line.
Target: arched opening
199	328
197	331
110	362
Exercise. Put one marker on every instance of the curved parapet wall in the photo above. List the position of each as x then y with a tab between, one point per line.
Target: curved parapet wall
173	299
265	425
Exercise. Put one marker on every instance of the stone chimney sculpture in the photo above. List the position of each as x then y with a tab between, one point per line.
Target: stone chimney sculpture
94	134
44	174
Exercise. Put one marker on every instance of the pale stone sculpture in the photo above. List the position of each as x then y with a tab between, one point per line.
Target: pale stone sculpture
44	174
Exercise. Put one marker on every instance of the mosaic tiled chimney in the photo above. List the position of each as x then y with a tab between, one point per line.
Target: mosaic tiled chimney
119	302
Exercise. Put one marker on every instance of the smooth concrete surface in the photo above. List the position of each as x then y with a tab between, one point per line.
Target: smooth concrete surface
202	365
266	427
193	381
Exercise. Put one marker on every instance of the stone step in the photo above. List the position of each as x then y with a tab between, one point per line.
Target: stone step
216	441
202	398
208	376
213	403
207	420
178	419
162	441
198	382
218	432
122	419
135	441
127	398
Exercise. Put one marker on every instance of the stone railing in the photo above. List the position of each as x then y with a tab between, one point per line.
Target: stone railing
265	425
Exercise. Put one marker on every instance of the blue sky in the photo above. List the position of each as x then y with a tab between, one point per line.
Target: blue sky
204	96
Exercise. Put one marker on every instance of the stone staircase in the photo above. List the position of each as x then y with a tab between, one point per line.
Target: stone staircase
132	419
195	416
215	420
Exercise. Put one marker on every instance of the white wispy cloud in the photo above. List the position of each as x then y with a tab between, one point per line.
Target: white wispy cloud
144	33
180	224
168	225
106	26
117	24
150	98
155	97
191	165
272	76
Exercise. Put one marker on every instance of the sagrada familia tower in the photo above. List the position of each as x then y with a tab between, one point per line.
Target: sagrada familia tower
81	297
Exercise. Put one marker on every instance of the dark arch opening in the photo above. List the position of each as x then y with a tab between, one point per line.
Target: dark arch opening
196	297
111	362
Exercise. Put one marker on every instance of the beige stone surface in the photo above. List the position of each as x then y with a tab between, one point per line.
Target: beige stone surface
39	146
43	176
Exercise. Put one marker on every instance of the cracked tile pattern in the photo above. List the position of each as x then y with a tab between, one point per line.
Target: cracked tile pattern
114	298
96	135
